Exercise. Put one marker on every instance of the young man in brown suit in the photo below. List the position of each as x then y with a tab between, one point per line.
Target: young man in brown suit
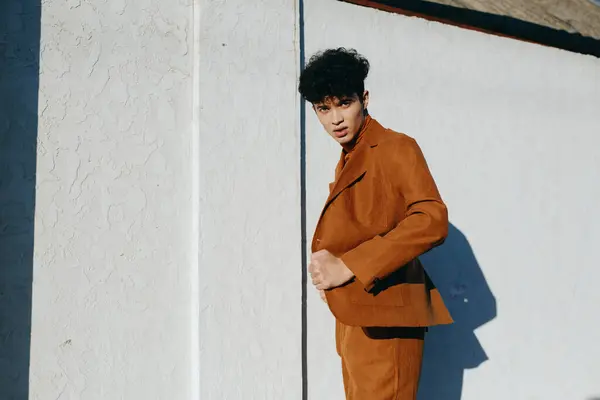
383	211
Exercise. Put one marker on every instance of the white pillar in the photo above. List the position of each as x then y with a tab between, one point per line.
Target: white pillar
250	264
111	290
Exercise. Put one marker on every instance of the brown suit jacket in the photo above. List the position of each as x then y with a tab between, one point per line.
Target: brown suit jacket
383	211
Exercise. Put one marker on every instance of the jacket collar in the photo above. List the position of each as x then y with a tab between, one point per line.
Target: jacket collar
355	168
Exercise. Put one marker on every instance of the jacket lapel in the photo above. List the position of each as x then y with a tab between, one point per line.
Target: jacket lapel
354	169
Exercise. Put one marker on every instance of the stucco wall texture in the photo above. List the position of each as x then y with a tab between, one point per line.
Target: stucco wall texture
166	129
250	243
111	287
511	132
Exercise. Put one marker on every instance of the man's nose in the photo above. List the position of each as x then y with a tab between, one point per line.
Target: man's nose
337	118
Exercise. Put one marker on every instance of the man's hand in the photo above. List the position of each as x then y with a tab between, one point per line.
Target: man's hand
323	297
328	271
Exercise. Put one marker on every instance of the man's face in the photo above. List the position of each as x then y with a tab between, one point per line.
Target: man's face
342	117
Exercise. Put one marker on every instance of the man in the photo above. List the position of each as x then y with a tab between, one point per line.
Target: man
383	211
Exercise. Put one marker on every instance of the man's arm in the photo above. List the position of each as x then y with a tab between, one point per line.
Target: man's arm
424	227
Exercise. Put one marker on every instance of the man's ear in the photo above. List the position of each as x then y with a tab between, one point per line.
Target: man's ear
365	99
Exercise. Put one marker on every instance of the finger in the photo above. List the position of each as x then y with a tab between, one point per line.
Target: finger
316	270
323	297
316	279
322	285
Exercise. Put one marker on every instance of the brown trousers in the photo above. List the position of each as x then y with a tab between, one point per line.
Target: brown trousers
380	363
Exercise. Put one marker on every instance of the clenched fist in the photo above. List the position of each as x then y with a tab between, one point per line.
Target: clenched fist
323	296
328	271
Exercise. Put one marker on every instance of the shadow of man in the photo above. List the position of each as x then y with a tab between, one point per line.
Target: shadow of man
450	349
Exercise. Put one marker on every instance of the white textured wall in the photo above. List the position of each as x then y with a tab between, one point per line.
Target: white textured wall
111	297
511	131
250	276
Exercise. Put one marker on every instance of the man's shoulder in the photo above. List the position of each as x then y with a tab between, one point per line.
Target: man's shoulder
395	141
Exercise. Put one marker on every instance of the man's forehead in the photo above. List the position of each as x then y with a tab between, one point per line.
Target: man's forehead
335	100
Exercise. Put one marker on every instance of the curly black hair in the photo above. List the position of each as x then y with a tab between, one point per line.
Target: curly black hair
334	73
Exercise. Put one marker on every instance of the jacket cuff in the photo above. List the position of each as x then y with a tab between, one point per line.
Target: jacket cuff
361	264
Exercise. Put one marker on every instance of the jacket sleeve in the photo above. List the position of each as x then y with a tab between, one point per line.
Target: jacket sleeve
426	217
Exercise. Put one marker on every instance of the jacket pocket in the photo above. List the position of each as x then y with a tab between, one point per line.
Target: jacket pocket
392	296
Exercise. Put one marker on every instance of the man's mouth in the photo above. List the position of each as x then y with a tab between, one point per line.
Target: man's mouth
340	132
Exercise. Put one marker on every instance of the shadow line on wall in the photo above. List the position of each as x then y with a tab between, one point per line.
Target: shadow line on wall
19	83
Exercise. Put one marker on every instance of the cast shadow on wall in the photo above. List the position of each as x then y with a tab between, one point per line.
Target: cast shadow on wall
452	349
19	82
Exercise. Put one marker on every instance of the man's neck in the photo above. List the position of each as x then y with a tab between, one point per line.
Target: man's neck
348	147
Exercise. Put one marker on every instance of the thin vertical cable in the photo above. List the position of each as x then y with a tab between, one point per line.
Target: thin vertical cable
303	209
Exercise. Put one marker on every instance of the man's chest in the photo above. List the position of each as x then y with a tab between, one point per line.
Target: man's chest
370	206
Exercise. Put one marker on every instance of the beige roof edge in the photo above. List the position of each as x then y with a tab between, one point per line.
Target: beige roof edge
484	20
573	16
